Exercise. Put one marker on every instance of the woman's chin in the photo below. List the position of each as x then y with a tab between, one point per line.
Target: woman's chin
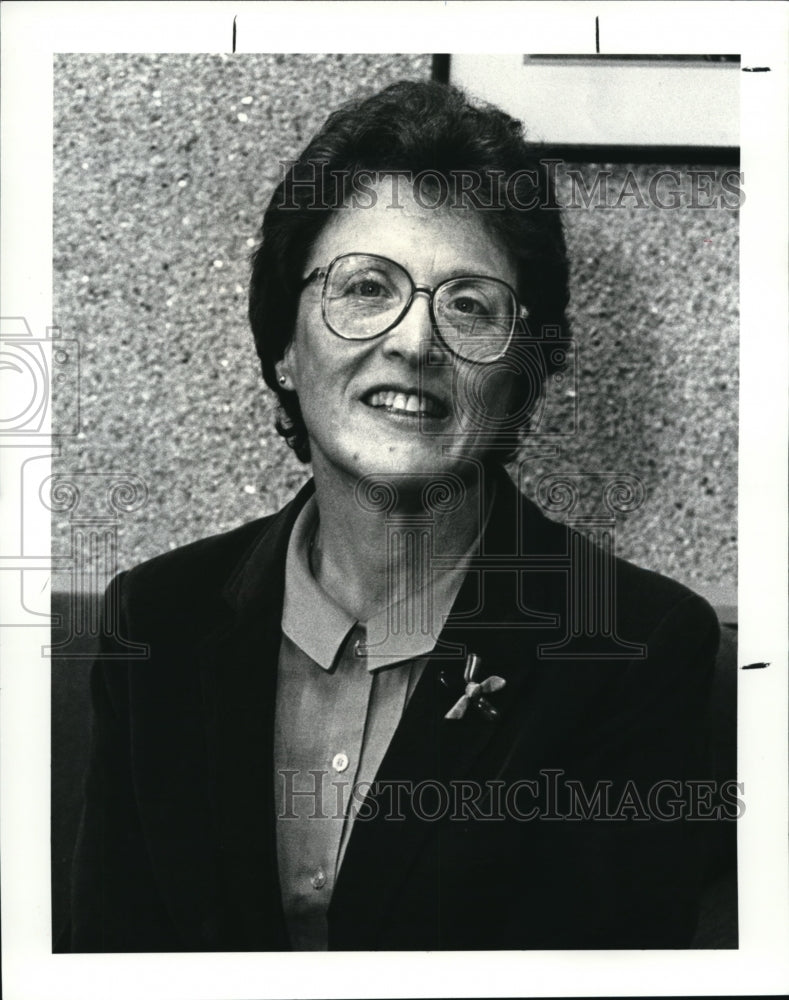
400	464
396	446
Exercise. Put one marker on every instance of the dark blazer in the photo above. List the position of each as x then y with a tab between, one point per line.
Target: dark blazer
176	850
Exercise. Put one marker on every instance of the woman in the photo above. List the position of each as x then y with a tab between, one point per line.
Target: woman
373	720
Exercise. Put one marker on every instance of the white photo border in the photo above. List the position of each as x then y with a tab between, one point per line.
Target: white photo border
32	34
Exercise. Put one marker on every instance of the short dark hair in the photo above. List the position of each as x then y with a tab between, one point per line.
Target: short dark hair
415	127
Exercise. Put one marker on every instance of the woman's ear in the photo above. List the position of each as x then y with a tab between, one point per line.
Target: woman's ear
287	368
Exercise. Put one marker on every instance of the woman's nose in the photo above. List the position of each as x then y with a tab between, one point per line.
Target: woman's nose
413	335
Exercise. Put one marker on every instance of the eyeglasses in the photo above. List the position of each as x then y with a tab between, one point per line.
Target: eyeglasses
365	296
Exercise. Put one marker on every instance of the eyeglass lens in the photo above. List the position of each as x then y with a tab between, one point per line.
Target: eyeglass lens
366	295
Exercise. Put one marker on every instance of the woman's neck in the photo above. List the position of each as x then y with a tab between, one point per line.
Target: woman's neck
368	551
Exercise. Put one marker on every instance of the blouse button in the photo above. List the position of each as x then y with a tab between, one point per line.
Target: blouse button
359	648
340	762
318	879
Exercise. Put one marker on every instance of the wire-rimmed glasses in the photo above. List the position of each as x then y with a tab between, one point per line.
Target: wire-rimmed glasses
366	295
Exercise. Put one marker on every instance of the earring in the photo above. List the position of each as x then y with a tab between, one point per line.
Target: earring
282	379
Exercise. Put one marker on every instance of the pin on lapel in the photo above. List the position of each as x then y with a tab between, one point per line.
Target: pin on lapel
475	691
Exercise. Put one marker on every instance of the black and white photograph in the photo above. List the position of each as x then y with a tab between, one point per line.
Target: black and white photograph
391	448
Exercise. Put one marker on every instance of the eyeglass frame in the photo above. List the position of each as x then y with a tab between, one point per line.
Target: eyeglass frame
323	272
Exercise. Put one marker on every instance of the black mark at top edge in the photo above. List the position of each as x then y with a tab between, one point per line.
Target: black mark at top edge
439	69
755	666
234	36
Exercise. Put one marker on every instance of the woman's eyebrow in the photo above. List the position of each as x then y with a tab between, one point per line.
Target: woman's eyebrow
477	272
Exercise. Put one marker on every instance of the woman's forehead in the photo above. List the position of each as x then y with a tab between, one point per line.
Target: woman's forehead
426	240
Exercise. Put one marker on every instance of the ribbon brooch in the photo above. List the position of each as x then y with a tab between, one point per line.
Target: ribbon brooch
475	691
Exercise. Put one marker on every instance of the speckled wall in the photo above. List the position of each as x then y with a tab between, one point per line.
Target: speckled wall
163	166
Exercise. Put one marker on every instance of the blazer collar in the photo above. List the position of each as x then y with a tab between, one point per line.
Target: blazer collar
260	577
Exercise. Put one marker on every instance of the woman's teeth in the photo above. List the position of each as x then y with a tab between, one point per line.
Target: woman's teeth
400	401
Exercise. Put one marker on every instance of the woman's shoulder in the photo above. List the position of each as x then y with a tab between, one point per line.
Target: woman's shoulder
212	550
183	588
653	604
643	598
201	570
204	556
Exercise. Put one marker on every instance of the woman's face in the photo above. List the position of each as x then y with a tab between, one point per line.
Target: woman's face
391	405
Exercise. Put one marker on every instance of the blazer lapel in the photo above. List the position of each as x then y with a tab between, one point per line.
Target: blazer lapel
238	673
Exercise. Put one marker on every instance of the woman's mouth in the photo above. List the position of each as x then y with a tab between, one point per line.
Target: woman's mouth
407	403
